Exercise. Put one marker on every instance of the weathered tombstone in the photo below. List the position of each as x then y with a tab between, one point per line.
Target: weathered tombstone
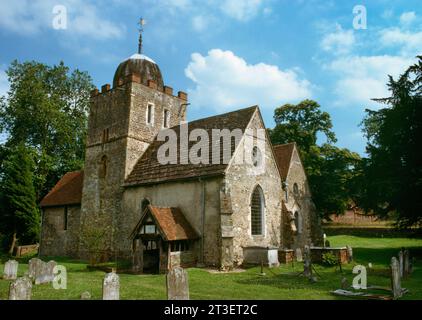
45	272
344	283
406	266
20	289
307	265
111	287
327	244
11	270
299	256
395	278
349	254
401	263
85	295
177	284
33	267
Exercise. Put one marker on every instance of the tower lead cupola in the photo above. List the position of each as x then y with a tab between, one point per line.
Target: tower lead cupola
139	64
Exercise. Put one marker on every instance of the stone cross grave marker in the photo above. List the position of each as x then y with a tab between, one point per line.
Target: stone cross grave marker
177	284
20	289
401	263
307	265
111	286
349	254
395	278
10	270
299	256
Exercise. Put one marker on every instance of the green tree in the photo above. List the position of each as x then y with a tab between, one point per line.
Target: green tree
331	170
393	170
47	109
19	214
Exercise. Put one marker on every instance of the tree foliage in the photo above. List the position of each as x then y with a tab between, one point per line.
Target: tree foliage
393	170
47	109
20	217
330	170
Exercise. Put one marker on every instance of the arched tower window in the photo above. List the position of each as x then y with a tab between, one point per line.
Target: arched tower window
103	167
257	212
144	204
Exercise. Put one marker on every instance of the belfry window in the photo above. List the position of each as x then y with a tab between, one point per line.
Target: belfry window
257	212
150	113
166	118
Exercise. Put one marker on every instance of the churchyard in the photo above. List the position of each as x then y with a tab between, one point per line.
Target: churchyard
283	282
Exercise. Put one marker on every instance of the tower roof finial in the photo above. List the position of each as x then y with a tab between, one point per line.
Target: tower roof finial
141	23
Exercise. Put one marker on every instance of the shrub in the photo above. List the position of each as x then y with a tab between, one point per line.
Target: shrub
329	259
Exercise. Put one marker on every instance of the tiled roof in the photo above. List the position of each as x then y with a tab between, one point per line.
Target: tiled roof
148	170
68	191
283	156
171	222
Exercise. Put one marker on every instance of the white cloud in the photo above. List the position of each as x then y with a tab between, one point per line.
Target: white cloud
30	17
339	42
242	10
407	17
410	43
362	78
224	81
200	23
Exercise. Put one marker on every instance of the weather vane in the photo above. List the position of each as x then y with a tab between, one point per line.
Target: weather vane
141	23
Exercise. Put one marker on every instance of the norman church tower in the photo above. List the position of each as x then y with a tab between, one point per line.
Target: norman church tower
123	121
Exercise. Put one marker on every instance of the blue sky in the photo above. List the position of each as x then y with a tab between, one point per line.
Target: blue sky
231	54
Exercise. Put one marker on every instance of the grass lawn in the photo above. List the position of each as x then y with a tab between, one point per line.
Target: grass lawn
279	283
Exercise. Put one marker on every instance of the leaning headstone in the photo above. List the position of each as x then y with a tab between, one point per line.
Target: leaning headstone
349	254
85	295
20	289
177	284
11	270
401	263
307	265
395	278
299	256
406	263
45	272
111	287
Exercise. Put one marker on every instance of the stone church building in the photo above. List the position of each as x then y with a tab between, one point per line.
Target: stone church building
127	203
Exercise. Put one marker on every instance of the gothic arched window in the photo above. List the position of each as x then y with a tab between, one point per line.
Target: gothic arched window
257	212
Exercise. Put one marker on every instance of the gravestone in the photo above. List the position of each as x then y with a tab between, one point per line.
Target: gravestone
10	270
44	272
177	284
327	244
307	265
401	263
33	267
111	287
299	256
344	283
406	263
85	295
20	289
349	254
395	278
